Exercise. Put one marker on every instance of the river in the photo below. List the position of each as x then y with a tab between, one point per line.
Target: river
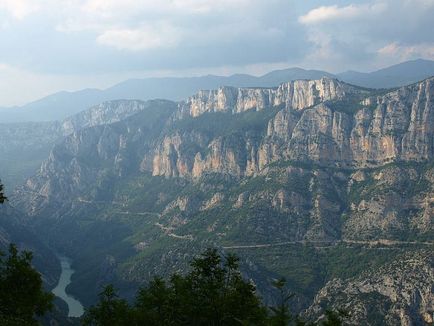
75	307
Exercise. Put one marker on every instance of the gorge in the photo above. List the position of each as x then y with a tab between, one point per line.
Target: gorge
321	182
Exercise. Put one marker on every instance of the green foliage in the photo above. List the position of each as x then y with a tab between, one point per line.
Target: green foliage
334	318
343	262
21	293
330	318
281	313
348	106
3	198
225	124
406	187
110	310
212	293
22	296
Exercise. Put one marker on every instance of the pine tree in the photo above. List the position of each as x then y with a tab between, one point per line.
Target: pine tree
3	198
281	313
110	310
22	296
212	293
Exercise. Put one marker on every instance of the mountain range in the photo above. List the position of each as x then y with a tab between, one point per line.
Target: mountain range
327	184
60	105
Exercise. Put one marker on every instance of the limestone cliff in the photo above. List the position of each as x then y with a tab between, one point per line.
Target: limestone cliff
348	129
90	156
397	126
399	293
298	95
307	170
104	113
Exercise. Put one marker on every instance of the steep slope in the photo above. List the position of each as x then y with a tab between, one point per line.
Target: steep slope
93	146
12	230
315	124
399	293
104	113
78	160
30	143
23	147
315	171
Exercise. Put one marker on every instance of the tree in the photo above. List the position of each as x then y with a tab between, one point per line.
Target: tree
22	296
281	313
212	293
21	292
110	311
3	198
334	318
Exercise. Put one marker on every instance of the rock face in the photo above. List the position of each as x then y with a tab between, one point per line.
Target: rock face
297	95
389	201
395	127
400	293
31	142
310	162
76	162
322	122
104	113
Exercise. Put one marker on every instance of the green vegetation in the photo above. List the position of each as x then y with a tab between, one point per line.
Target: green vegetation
212	293
404	181
225	124
131	239
21	293
405	187
281	314
306	268
2	195
22	296
348	106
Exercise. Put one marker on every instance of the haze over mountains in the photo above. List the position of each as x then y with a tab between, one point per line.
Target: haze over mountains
324	183
397	75
293	139
60	105
327	184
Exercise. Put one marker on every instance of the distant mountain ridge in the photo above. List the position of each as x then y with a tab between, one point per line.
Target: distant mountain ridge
405	73
60	105
316	181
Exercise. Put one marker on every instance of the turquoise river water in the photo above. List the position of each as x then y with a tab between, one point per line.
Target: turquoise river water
75	307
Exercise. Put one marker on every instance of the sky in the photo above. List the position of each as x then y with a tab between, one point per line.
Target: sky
52	45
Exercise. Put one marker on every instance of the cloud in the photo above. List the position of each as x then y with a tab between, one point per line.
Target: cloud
406	52
72	36
132	25
146	37
114	7
324	13
104	15
19	9
369	33
330	13
122	37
